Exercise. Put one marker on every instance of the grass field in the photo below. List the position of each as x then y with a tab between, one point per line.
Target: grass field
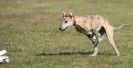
29	32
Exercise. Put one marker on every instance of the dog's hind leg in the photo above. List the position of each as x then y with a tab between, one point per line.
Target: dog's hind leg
101	33
109	32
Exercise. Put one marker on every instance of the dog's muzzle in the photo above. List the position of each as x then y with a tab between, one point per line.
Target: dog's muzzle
62	29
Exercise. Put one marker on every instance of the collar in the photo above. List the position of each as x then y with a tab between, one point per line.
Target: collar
74	22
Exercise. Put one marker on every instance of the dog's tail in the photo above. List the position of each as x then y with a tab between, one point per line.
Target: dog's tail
123	25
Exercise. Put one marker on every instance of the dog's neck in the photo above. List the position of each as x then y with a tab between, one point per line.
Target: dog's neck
75	21
77	24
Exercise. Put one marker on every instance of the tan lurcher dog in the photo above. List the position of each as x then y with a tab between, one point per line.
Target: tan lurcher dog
93	26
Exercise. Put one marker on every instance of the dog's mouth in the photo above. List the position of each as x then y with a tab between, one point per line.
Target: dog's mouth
63	29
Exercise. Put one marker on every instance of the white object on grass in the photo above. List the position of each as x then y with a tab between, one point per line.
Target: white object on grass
3	58
3	52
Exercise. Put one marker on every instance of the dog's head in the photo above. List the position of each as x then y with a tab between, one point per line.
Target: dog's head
67	20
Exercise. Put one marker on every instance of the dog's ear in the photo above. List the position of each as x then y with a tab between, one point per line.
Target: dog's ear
71	13
64	13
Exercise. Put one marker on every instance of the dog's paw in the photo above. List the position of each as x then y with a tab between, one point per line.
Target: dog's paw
93	55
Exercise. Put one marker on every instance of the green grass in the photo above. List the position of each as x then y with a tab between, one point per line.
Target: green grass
29	31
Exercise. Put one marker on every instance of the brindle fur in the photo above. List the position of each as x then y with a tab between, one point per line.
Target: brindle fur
93	26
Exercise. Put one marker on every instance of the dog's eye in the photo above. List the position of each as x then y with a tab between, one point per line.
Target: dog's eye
66	21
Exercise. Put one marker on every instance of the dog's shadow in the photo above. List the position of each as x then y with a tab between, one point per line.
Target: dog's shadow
70	53
63	53
66	54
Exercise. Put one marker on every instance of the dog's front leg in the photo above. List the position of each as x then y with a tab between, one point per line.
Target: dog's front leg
95	51
95	42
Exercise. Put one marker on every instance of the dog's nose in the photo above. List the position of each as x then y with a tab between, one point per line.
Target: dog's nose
61	29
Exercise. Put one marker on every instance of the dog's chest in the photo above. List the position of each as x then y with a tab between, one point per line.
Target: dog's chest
79	29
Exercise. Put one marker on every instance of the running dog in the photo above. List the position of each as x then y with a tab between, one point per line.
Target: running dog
93	26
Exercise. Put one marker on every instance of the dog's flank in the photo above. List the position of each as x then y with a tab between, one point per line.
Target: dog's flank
93	26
